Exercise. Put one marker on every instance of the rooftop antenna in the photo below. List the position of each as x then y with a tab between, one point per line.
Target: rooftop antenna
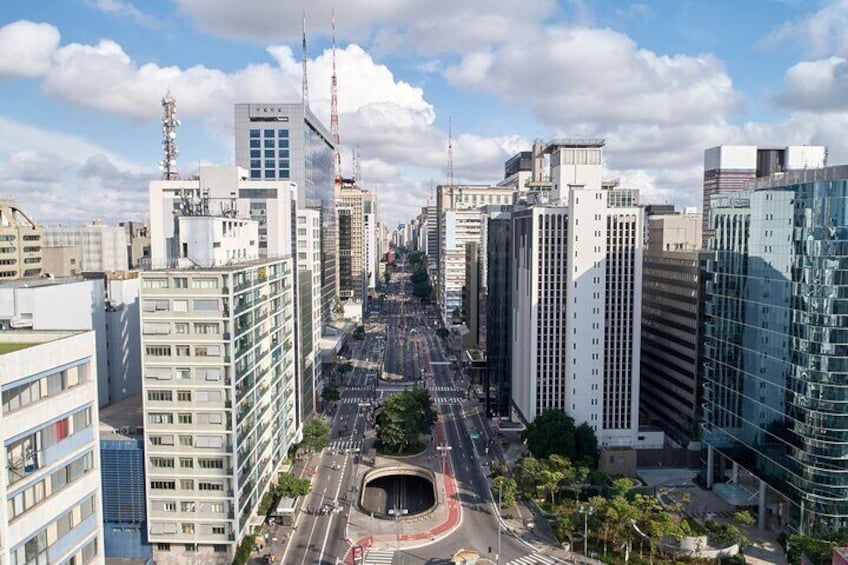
168	165
450	150
334	105
357	171
304	88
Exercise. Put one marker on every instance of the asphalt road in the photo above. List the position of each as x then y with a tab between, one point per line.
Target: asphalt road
411	349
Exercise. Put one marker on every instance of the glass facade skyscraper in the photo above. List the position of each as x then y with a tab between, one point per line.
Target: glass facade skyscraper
287	141
775	368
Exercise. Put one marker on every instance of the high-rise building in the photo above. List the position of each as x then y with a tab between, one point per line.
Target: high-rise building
497	378
308	311
102	248
50	477
576	287
458	228
432	249
287	142
21	244
775	346
351	201
218	357
459	221
728	167
670	394
369	235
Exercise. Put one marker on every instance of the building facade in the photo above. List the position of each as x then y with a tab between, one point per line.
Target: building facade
670	395
287	142
50	476
21	244
576	307
497	377
102	248
728	167
774	347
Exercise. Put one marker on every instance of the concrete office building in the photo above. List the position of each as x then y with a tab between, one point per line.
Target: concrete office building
728	167
432	248
102	248
775	348
21	244
50	472
576	288
287	142
369	235
670	394
218	357
353	274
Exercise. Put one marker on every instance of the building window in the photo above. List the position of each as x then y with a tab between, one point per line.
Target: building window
180	328
255	174
184	396
163	485
255	144
268	133
159	395
186	462
185	441
180	282
163	547
268	154
184	418
254	133
282	133
160	418
255	153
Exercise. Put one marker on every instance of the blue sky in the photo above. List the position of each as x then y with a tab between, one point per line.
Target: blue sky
81	82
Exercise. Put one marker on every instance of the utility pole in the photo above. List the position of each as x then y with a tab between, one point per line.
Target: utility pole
500	527
586	511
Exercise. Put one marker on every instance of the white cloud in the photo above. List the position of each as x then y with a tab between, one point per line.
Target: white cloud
822	32
124	9
432	27
569	74
816	85
26	48
73	186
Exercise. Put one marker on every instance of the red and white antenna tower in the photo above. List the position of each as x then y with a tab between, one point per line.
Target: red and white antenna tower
334	106
304	88
450	151
168	165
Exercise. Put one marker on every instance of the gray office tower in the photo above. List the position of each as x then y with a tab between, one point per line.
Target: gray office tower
287	141
776	348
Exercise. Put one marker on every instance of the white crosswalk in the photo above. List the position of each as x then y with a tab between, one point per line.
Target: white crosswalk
446	400
533	559
354	399
383	557
342	444
444	389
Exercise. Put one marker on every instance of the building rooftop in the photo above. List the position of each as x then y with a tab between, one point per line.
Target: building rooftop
575	143
15	340
123	419
36	282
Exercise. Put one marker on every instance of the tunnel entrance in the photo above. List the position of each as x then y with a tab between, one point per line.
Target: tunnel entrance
398	492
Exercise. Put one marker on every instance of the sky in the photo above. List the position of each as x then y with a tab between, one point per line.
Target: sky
81	83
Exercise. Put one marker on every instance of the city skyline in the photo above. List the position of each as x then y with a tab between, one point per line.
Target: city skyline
660	81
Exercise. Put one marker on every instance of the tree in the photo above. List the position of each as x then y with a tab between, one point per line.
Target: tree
316	434
551	432
404	417
529	474
443	333
586	444
289	485
506	488
550	483
564	527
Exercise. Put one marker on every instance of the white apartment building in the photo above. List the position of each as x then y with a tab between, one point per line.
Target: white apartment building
50	471
458	227
102	248
576	294
308	243
109	306
459	219
220	393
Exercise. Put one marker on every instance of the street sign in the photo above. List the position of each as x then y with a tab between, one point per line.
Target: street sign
475	436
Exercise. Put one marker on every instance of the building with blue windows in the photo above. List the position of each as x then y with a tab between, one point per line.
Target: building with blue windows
287	141
122	480
775	358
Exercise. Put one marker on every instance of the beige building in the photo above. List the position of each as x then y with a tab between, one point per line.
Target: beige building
350	207
20	244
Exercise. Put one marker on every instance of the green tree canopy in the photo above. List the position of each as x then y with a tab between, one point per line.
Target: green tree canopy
330	394
404	417
316	434
551	432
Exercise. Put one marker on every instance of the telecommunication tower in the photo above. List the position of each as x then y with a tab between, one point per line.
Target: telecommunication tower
450	151
168	164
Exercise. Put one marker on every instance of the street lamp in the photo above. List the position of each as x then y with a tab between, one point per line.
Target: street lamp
586	511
